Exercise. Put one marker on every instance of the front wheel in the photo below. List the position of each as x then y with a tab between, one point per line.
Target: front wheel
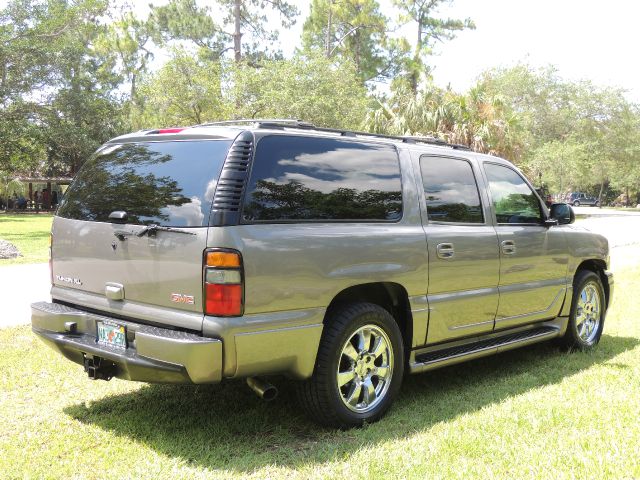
358	370
588	308
576	203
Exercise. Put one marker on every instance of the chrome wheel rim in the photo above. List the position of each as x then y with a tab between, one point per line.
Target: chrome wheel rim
365	368
588	313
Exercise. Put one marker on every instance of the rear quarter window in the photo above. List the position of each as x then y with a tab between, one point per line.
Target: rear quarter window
296	178
166	183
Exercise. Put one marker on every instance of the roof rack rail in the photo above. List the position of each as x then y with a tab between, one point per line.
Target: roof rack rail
277	123
280	121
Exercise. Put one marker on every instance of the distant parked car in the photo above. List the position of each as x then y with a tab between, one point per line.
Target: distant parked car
578	198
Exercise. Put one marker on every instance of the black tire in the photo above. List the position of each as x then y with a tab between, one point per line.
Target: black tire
320	396
572	339
576	203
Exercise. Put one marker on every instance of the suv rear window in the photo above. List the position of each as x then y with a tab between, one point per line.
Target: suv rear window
167	183
323	179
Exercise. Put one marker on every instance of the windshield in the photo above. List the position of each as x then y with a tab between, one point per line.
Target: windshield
165	183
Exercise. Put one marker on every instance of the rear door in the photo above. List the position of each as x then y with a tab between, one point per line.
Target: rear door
128	267
533	257
463	251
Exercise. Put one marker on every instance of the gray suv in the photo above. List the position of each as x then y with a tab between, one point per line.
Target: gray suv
578	198
339	259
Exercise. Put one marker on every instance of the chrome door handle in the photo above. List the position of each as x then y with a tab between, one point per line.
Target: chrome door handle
508	247
445	251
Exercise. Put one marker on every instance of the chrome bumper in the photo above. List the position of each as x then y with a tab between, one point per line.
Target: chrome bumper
153	354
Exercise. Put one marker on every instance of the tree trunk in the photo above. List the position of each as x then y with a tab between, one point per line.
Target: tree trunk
237	34
416	60
329	26
357	52
626	198
133	88
600	194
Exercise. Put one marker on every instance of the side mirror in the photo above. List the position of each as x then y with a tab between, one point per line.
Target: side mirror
563	213
118	216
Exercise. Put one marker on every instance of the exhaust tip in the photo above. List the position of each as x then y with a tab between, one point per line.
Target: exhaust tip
262	388
270	394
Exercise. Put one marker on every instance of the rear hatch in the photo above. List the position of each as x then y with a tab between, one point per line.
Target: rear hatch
146	265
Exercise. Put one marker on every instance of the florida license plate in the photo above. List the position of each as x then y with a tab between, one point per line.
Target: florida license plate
112	334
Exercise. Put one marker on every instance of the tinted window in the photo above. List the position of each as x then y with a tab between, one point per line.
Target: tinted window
450	190
302	178
167	183
513	200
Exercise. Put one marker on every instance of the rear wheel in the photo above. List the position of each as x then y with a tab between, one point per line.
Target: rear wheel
588	308
358	369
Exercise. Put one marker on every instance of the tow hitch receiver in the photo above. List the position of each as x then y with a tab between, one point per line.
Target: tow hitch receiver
98	368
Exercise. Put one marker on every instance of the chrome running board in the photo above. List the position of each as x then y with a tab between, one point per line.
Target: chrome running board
431	358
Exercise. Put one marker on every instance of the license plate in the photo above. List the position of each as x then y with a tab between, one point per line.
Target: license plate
112	334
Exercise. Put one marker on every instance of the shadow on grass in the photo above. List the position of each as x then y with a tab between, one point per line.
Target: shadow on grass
227	426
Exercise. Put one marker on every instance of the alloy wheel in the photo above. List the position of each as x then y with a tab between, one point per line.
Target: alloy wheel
588	313
365	369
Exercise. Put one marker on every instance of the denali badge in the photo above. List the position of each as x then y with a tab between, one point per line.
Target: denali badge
181	298
75	281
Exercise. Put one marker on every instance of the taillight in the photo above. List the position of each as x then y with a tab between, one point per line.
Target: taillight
51	257
223	283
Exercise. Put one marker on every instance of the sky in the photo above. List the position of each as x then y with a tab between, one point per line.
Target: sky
584	39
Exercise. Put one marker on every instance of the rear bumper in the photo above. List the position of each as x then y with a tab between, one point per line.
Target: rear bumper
153	354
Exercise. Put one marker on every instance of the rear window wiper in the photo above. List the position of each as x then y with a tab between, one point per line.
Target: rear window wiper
149	230
153	229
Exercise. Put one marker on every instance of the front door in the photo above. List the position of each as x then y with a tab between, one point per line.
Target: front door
463	251
533	257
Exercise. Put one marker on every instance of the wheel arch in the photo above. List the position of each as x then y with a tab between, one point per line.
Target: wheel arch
598	267
391	296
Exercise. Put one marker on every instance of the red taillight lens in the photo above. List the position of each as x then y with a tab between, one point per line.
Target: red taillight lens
223	283
223	300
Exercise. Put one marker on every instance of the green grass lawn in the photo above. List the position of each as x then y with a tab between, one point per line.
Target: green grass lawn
532	413
30	233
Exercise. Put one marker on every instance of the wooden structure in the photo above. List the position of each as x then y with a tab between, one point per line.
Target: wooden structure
46	201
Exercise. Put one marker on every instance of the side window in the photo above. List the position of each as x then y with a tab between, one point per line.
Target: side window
513	199
450	190
297	178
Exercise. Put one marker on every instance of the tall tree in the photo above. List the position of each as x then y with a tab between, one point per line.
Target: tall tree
429	30
185	20
312	88
50	76
242	27
128	39
354	30
250	17
185	91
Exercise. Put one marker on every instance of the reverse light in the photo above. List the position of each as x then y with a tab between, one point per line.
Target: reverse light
223	283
